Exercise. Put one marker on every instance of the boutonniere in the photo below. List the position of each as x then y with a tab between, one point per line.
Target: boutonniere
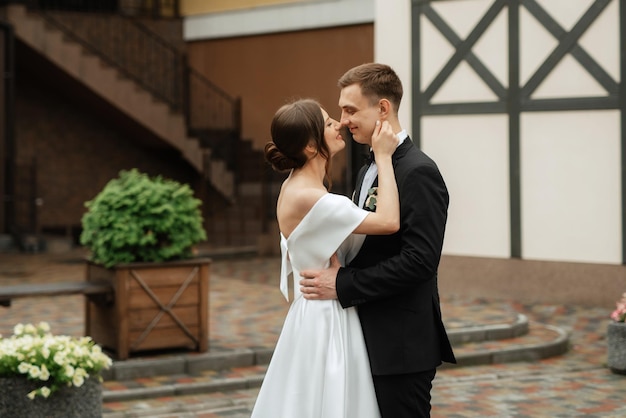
370	201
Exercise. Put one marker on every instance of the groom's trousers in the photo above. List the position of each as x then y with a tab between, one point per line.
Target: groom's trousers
404	395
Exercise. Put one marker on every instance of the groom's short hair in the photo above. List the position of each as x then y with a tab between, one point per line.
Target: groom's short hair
377	81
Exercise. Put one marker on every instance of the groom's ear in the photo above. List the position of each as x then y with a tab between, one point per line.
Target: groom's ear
384	107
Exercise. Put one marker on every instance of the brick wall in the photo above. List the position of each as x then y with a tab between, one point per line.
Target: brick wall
75	150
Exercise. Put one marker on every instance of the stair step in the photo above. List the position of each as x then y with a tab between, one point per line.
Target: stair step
185	384
121	92
487	323
244	369
541	341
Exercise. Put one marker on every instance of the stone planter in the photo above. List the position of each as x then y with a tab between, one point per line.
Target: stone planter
155	306
616	342
68	402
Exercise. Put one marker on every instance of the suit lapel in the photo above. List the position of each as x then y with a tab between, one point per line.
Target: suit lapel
400	152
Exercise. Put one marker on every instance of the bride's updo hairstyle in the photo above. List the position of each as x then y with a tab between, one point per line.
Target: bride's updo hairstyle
294	126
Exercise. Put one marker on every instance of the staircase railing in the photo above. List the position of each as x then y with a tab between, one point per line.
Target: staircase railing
134	51
151	61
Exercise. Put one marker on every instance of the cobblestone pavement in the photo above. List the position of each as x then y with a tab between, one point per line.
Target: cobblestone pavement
247	311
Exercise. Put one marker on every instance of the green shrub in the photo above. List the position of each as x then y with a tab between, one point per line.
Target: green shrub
137	218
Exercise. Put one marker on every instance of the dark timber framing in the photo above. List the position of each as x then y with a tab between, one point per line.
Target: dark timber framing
516	99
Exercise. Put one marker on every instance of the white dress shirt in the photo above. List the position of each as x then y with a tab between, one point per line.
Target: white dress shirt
372	171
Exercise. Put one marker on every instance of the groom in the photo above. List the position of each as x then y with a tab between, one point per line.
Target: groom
393	278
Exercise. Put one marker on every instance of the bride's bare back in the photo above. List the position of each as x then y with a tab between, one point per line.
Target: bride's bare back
297	196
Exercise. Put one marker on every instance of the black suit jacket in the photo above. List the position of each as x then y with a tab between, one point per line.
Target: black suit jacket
393	278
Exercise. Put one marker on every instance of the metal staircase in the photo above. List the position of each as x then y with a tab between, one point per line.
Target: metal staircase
140	74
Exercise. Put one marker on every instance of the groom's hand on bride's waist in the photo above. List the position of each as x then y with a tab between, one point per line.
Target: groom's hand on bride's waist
320	284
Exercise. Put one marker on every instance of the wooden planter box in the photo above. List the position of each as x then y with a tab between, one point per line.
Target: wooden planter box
155	306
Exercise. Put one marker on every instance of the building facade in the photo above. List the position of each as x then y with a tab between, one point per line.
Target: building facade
518	101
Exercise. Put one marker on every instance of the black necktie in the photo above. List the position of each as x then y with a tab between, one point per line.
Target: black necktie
369	158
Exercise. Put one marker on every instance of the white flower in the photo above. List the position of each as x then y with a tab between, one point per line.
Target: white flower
59	358
78	380
45	374
29	352
370	201
34	372
23	368
69	370
45	391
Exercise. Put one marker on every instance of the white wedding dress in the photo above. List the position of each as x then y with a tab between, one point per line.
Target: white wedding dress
319	368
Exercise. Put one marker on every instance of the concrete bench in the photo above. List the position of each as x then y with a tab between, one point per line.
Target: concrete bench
93	290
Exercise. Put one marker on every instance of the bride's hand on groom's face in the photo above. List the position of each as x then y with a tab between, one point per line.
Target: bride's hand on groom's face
320	284
384	141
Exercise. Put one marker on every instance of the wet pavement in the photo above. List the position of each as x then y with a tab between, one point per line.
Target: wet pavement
246	313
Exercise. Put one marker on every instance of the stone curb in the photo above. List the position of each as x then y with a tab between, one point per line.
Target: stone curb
196	363
526	352
489	332
183	389
227	359
186	363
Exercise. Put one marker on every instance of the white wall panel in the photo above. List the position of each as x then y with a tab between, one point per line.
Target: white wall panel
492	47
571	191
601	40
392	46
472	153
462	15
536	44
463	86
435	52
568	79
566	12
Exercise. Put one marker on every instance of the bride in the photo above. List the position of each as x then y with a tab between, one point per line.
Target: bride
320	368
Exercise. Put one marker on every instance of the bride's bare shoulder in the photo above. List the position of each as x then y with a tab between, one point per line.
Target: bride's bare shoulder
300	200
294	204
